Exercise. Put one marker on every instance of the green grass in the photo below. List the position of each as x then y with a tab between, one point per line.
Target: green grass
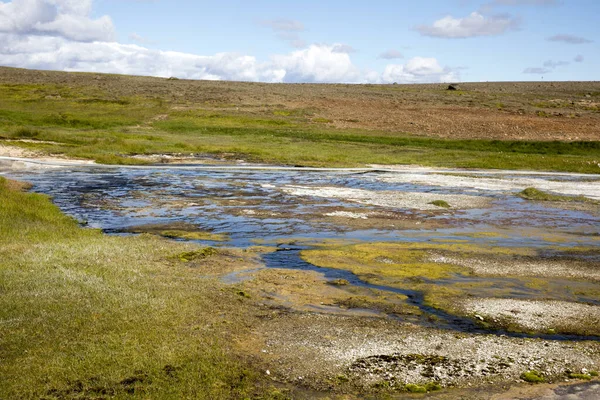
85	122
538	195
83	315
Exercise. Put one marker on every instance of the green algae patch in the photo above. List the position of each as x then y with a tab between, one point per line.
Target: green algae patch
581	377
538	195
179	230
441	204
402	261
385	260
260	249
213	237
303	241
483	235
533	377
387	304
442	297
197	254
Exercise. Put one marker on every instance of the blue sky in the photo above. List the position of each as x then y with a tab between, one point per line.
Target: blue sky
308	41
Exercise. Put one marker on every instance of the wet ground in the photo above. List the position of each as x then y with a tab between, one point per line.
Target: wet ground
451	251
242	208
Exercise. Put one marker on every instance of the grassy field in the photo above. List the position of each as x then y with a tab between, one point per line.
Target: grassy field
85	118
83	315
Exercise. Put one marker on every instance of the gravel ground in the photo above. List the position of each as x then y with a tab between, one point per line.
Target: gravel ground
18	152
316	348
533	314
418	201
534	268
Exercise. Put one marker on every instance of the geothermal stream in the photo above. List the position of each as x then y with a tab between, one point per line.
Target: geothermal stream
274	206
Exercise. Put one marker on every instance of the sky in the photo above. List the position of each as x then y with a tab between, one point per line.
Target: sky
376	41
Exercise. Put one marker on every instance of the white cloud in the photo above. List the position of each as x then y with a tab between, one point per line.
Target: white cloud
537	71
418	70
317	63
475	24
569	39
554	64
549	66
284	25
343	48
287	30
65	18
61	54
391	55
61	35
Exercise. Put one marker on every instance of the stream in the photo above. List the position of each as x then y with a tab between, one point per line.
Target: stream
267	207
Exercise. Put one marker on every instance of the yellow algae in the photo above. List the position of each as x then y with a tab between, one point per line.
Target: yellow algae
389	260
481	235
179	230
260	249
197	235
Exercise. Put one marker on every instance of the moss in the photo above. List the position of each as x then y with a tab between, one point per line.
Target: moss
433	387
584	377
415	388
538	195
533	377
401	263
594	373
197	254
213	237
322	120
179	230
387	260
342	379
480	235
389	305
441	204
261	249
339	282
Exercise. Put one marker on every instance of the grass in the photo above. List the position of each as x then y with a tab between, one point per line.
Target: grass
538	195
83	315
85	122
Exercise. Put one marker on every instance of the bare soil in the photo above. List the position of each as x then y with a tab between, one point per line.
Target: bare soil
567	111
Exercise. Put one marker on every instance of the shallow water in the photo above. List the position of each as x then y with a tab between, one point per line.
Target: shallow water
289	258
250	205
254	207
